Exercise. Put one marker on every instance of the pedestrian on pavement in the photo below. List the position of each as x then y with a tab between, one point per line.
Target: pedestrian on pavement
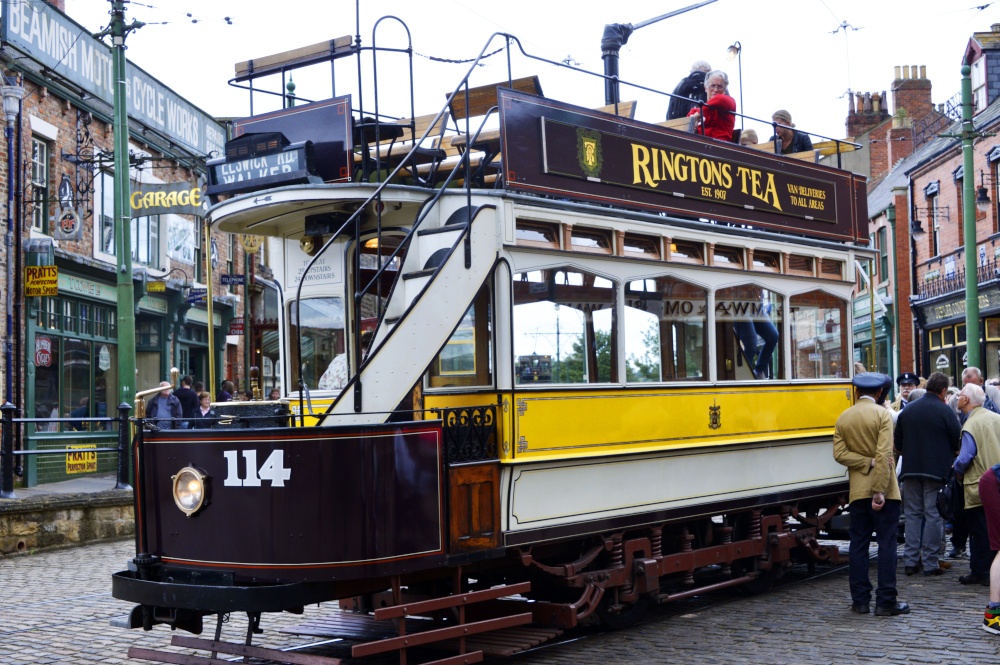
989	492
927	437
226	394
862	441
204	416
980	451
907	382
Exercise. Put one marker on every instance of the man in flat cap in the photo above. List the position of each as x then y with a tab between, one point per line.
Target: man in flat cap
784	129
907	382
862	441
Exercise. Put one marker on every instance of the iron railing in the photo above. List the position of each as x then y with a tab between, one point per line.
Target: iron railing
9	456
470	433
987	271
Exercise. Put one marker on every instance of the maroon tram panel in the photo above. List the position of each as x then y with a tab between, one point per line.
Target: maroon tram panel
296	504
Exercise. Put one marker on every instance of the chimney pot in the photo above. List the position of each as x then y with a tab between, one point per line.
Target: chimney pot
906	71
923	71
897	68
995	27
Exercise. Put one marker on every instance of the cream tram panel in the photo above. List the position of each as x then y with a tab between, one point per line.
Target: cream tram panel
552	425
550	494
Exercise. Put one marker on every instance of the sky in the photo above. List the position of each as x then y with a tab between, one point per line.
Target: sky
799	55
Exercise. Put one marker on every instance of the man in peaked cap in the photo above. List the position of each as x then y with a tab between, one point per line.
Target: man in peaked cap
791	140
907	382
862	441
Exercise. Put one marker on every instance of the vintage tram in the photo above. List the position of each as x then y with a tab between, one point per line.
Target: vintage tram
696	296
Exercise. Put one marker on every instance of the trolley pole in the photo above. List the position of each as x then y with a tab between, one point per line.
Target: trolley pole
968	135
117	29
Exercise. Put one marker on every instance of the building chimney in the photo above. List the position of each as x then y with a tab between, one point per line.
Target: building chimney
912	92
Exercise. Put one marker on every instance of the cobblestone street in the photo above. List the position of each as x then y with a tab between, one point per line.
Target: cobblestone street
57	608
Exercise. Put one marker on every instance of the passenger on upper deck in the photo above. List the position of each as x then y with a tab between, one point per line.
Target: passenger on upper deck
748	137
791	140
691	87
719	111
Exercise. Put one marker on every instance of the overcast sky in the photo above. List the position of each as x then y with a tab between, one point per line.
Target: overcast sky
791	58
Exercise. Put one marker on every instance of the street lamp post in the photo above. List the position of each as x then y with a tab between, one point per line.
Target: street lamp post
736	51
12	95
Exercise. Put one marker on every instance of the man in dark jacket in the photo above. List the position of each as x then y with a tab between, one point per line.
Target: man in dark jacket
689	92
188	399
164	408
927	435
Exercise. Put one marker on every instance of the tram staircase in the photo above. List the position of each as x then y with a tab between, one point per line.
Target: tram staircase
449	258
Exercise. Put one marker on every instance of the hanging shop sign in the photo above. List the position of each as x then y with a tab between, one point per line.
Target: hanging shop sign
233	280
176	198
251	243
156	287
68	226
236	327
41	281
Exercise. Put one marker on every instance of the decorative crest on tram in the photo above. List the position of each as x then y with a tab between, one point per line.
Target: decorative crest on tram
588	150
714	416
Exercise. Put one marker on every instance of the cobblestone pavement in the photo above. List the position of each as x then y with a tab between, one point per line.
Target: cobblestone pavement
56	608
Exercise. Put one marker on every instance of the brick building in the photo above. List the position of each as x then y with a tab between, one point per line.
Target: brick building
60	178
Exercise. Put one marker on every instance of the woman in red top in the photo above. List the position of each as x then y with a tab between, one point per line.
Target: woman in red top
719	111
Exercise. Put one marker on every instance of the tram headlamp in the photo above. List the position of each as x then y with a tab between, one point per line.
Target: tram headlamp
189	490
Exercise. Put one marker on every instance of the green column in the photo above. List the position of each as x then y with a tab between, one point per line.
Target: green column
122	209
969	134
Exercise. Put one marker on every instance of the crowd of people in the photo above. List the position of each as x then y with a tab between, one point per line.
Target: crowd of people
190	405
703	96
901	457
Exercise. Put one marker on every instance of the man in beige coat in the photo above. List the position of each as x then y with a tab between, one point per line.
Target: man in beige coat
862	441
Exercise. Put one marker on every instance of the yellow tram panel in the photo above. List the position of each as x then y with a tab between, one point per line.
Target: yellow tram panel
549	425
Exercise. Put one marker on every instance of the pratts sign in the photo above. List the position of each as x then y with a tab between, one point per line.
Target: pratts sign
573	152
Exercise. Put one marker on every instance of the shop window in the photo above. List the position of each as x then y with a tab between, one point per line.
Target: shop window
665	331
934	339
948	336
819	336
104	215
934	237
960	333
467	357
993	329
567	314
748	321
537	234
40	184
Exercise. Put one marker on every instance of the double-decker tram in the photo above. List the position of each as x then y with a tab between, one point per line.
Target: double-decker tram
691	298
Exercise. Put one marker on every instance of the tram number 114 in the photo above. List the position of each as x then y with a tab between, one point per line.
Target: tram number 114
272	469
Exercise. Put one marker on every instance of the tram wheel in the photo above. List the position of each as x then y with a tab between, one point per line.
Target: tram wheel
616	616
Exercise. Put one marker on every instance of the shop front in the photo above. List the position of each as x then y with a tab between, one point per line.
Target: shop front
945	335
877	356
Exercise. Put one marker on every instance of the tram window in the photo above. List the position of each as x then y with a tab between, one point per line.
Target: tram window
728	257
467	357
766	261
567	314
685	251
832	268
591	240
321	335
819	325
664	331
537	234
800	265
642	246
748	321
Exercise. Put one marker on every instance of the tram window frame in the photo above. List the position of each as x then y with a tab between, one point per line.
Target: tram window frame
730	336
681	355
731	257
831	268
766	261
320	362
797	260
475	330
543	298
821	318
640	246
550	233
687	251
594	241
